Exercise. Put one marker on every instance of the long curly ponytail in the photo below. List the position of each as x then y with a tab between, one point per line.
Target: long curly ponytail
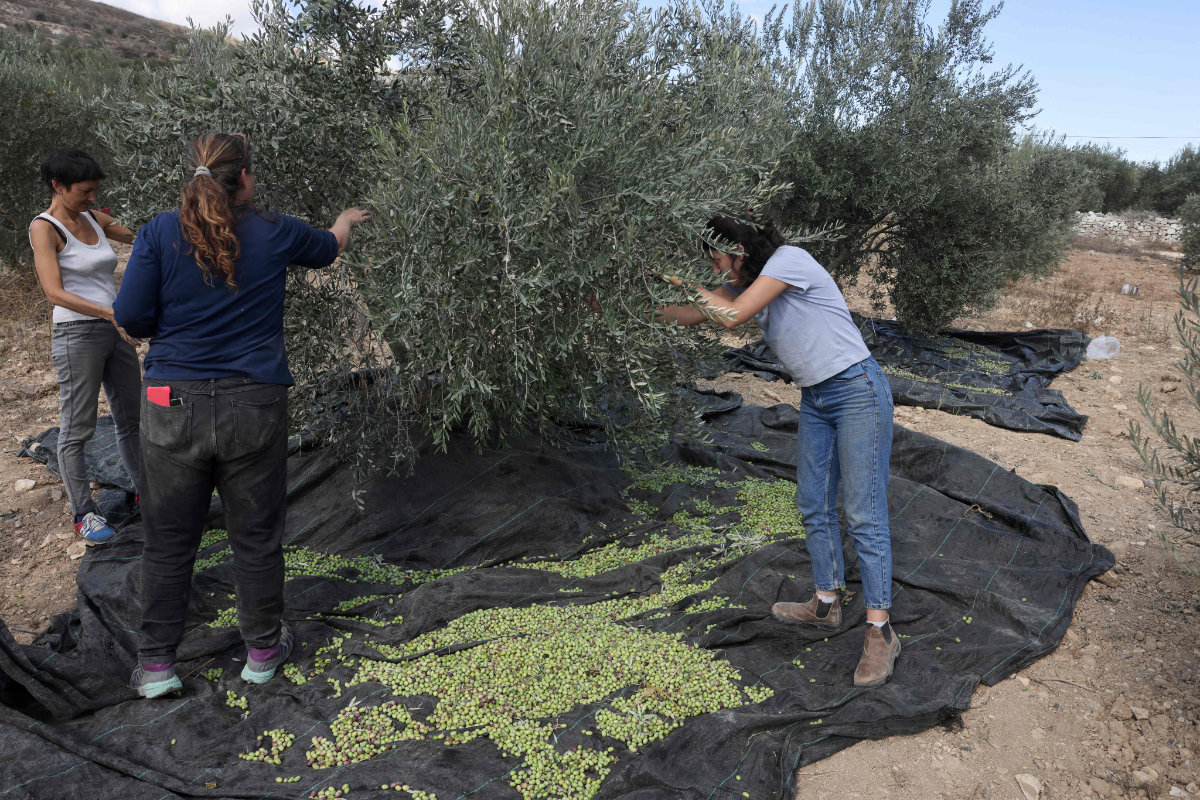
207	213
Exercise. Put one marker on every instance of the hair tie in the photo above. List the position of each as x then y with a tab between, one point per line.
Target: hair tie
202	170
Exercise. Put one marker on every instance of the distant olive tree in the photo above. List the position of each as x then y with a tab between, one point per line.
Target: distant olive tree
908	144
1165	189
1189	239
1113	184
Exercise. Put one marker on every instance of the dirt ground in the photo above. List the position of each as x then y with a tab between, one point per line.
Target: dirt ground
1112	713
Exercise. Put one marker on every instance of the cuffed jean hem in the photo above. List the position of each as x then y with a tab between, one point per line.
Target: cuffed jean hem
846	431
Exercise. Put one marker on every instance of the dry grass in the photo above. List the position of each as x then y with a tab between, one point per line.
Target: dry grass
26	313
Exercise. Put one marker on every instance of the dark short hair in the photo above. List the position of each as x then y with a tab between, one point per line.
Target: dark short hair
68	166
756	235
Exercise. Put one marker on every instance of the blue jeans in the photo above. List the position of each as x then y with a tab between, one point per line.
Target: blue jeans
231	434
846	429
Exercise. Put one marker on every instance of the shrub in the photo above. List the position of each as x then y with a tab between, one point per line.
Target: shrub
1189	238
1174	459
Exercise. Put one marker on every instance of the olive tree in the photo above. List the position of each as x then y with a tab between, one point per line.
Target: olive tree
908	143
525	222
533	166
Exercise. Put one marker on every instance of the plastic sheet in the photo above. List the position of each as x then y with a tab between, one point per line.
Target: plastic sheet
998	377
987	570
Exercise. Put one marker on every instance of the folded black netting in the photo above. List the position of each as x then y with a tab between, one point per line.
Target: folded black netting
523	623
998	377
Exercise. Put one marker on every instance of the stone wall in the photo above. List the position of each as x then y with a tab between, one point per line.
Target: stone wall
1130	227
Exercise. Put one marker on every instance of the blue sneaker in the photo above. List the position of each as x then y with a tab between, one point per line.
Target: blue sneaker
154	684
94	528
263	671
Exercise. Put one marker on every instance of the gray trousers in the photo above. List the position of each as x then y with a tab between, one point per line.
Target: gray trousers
88	354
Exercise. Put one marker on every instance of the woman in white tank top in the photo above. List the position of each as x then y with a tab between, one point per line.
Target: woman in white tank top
75	265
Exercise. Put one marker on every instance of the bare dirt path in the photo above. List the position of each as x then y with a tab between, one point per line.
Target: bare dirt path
1112	713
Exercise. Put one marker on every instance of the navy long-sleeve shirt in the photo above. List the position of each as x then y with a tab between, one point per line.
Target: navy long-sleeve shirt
198	331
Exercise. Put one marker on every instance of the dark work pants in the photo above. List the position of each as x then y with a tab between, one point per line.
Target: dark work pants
231	434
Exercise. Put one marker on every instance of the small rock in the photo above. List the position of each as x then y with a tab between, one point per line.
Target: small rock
24	485
1143	779
76	550
1170	387
1121	407
1031	787
1099	786
45	542
1116	379
1021	679
1139	712
1121	711
1128	482
56	494
1177	792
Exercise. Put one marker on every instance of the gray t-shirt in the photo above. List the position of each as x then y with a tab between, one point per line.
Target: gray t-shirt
808	327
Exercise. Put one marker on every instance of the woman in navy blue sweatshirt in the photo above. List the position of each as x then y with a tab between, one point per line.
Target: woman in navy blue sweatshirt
206	284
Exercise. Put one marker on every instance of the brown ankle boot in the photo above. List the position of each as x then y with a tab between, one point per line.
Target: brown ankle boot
814	612
880	648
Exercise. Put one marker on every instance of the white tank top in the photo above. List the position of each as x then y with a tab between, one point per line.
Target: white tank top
87	269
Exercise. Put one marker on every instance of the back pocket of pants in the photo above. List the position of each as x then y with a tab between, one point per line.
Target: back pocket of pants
166	427
256	425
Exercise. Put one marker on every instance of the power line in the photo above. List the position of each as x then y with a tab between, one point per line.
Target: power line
1065	136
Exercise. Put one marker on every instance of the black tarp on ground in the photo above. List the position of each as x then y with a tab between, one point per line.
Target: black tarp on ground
998	377
103	463
987	570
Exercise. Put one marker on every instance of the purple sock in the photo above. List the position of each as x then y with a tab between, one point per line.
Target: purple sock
261	655
157	667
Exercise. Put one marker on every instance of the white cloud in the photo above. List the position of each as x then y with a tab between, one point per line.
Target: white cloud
204	14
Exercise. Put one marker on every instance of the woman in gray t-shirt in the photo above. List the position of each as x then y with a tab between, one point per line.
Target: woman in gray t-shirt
75	266
845	418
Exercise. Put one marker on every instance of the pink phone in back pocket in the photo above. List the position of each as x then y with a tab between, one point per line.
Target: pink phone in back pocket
159	395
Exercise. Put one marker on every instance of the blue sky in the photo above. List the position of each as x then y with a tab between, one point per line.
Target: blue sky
1108	70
